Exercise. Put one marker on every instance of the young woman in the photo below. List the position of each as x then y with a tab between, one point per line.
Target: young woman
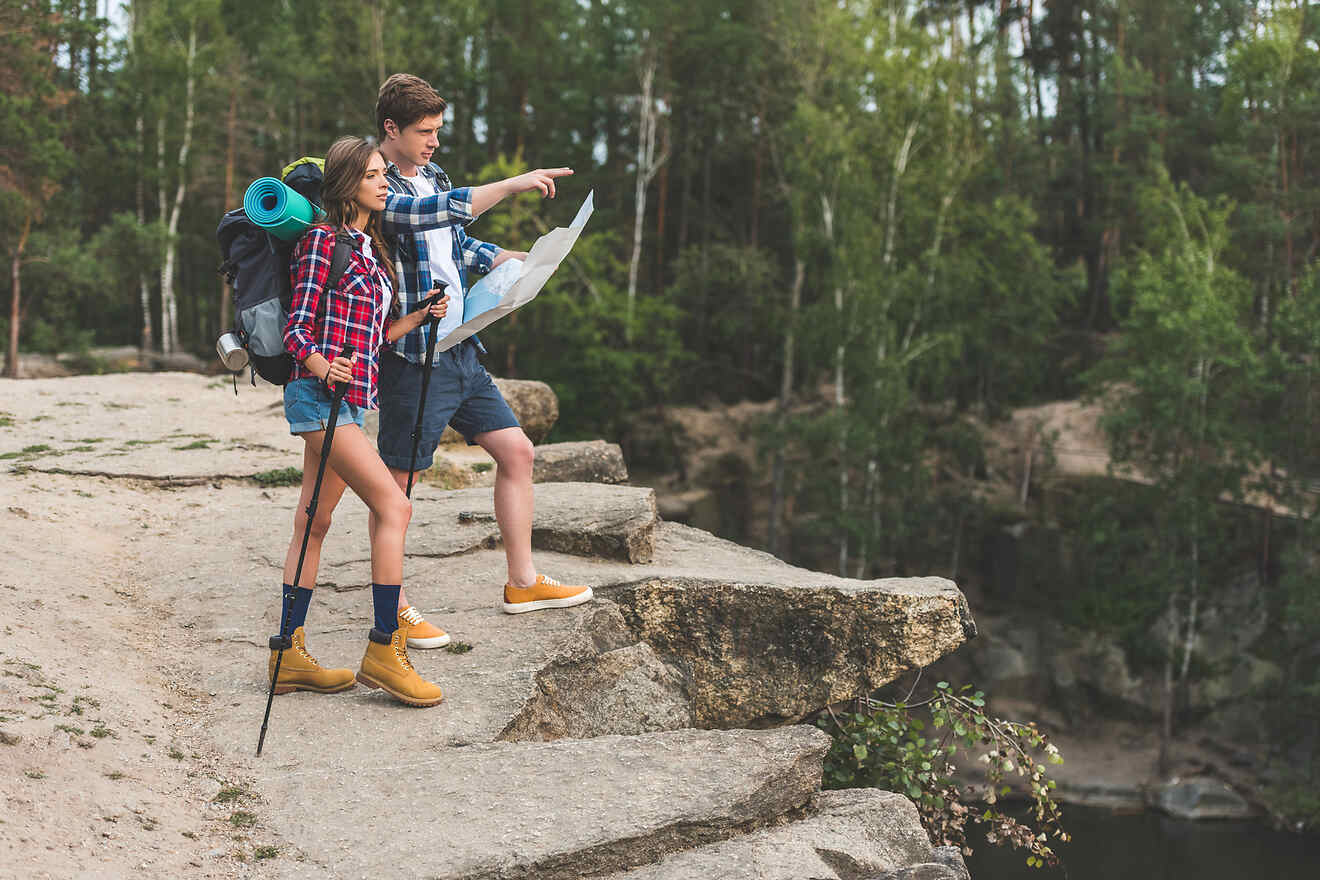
362	312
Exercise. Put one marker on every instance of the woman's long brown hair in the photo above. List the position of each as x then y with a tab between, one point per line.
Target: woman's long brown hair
345	166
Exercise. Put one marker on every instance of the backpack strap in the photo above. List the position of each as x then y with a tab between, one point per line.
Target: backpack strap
338	266
339	262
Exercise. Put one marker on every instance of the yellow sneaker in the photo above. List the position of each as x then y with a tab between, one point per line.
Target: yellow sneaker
299	670
420	633
545	593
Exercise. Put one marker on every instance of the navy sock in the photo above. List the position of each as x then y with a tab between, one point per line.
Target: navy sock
385	600
302	598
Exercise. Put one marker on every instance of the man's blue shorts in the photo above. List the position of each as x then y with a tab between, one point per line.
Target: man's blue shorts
307	407
461	394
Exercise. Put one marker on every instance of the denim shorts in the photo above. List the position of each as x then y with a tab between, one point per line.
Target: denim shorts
307	407
461	394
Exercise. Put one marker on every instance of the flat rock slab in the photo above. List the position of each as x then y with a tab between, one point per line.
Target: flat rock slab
186	429
544	810
845	835
170	427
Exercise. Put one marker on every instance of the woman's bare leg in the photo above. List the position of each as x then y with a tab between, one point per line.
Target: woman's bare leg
332	489
356	462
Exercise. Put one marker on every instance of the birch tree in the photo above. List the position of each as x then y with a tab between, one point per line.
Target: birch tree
1173	412
649	115
169	308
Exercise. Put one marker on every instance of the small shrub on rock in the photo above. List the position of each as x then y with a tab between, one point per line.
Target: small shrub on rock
887	745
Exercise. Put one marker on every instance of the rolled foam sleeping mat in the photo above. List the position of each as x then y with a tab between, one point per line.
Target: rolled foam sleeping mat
279	210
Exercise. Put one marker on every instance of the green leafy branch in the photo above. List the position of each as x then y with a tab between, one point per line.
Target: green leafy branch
886	745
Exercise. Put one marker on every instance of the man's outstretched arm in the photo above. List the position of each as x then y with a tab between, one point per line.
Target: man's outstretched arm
457	207
488	195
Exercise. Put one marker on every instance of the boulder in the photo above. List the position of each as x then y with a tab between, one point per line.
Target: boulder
1199	797
625	691
534	403
601	681
589	461
468	467
759	654
585	519
613	522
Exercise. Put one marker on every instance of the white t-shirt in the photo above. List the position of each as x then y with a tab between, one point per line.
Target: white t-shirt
440	250
371	261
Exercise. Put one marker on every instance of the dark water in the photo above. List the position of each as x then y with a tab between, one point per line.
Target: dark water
1150	846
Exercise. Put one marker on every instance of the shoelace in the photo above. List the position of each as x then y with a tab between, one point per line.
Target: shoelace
549	581
400	646
412	615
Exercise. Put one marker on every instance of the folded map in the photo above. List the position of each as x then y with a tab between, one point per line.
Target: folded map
514	283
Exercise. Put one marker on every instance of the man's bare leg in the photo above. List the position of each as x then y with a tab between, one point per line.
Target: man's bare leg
514	503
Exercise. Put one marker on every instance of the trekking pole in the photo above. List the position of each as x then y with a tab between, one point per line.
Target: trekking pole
431	326
279	643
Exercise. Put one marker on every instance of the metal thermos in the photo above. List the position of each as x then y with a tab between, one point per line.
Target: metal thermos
232	353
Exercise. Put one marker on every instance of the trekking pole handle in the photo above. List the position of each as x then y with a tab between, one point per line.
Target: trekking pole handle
436	292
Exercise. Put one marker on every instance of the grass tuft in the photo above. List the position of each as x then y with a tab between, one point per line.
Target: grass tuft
230	793
242	819
289	476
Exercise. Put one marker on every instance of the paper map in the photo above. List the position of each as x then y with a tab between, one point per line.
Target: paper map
515	283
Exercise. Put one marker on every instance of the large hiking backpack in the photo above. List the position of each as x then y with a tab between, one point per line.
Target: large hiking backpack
257	265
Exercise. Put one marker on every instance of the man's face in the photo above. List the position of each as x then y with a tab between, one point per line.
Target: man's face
418	141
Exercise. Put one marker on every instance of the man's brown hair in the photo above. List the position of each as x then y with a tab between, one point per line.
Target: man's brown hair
405	99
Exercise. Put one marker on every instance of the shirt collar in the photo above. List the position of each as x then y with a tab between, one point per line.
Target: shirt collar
392	168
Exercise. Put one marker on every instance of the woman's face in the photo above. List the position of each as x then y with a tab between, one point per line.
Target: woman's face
373	188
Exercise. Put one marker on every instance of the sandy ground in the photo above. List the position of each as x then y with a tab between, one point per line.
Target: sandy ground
103	772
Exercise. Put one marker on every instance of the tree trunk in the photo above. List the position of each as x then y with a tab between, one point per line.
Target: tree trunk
840	398
16	297
661	204
231	148
781	414
139	189
169	308
160	217
647	165
378	38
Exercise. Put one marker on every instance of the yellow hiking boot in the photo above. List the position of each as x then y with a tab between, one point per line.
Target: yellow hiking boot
420	633
299	670
385	665
545	593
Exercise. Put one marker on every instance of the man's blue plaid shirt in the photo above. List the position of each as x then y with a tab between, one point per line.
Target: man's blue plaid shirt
405	220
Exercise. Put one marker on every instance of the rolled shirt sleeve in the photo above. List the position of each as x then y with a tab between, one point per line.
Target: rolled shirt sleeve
409	213
310	271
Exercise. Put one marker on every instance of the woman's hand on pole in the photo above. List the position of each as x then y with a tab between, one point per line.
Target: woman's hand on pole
341	370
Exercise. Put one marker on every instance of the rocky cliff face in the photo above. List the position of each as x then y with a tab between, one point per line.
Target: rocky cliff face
651	733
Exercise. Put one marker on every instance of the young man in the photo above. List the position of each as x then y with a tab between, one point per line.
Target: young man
425	215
